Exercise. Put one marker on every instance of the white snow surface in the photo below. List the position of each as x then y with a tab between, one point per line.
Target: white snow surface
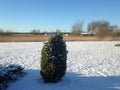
90	65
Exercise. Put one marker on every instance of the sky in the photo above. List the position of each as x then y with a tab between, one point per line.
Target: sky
49	15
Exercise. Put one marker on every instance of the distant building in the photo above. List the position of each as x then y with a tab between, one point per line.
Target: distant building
66	34
87	34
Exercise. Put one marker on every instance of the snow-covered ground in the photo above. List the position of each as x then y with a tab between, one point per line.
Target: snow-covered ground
90	66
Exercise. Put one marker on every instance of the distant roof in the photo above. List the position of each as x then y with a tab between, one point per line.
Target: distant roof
86	33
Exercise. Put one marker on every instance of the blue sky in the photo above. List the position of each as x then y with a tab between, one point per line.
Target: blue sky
48	15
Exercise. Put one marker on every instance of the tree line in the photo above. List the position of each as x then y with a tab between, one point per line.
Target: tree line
100	28
6	32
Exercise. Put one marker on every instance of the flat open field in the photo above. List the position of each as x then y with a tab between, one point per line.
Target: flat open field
90	65
41	38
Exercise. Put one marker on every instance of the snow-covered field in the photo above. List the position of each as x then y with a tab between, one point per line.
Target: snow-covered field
90	66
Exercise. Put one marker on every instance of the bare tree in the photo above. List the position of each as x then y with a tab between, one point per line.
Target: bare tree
103	31
77	28
34	31
58	31
113	27
9	32
95	26
1	31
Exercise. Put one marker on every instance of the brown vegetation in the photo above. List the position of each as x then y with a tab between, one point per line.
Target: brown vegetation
41	38
23	38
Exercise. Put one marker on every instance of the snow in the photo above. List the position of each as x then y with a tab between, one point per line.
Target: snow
90	65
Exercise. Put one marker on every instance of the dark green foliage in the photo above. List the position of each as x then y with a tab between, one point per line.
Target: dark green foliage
118	44
53	60
9	74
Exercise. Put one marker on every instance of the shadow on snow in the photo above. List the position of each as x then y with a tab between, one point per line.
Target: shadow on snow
71	81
